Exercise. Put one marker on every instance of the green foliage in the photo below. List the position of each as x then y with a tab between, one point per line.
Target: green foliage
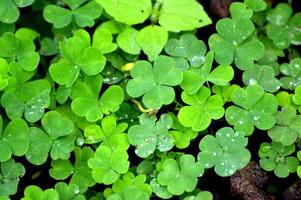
226	152
9	12
291	74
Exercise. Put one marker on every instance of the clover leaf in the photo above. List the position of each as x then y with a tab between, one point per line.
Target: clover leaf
188	16
262	75
151	135
226	151
10	174
81	12
4	76
126	41
159	190
31	98
194	78
34	192
14	140
54	136
201	109
204	195
283	28
182	176
77	56
296	98
292	74
240	10
68	192
154	83
256	5
103	40
110	133
81	173
287	128
20	50
299	167
233	42
93	109
188	48
152	40
9	12
276	157
108	164
253	107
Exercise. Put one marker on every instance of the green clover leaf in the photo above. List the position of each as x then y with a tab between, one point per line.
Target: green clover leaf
296	98
256	5
20	50
80	171
68	192
4	76
159	190
292	74
126	41
14	140
77	56
55	136
204	195
299	167
103	40
226	152
31	98
180	177
152	40
81	12
194	78
254	108
262	75
108	164
10	174
110	133
34	192
240	10
287	128
224	91
283	27
233	42
93	109
188	48
188	16
275	157
9	12
154	83
201	109
151	135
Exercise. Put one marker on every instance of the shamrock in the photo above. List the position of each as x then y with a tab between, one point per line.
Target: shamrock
81	173
10	174
14	139
283	28
292	74
187	48
233	42
110	133
68	192
262	75
253	107
33	192
30	98
20	50
182	176
54	136
194	78
201	109
287	128
77	56
83	13
154	83
108	164
151	135
9	12
226	152
275	157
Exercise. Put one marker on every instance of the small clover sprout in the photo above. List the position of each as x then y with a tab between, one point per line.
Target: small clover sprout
276	157
34	192
233	42
226	152
154	83
283	28
9	12
151	135
81	12
180	177
292	74
10	174
253	107
201	109
68	192
287	128
108	164
55	135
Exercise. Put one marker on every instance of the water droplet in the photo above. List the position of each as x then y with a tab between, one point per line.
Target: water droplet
222	163
252	81
168	127
76	191
240	122
206	165
227	135
214	154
